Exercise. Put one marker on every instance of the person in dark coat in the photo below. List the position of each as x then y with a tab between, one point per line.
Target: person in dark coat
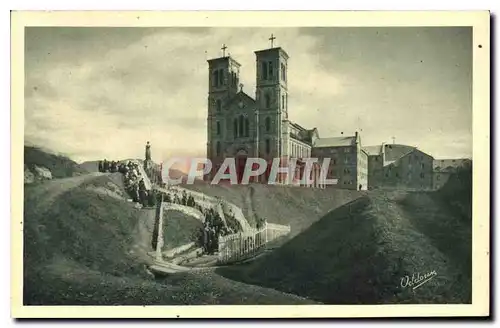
100	166
105	166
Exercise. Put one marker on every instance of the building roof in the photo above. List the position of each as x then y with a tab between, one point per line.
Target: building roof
241	97
231	59
304	135
281	50
335	142
450	165
394	152
373	150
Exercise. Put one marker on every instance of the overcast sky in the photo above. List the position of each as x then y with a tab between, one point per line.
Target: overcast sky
92	93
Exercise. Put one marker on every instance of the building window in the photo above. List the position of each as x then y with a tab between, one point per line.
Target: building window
422	165
268	100
218	128
283	72
240	128
271	70
347	150
221	77
422	175
438	177
215	80
247	127
218	105
264	70
268	146
217	150
283	102
268	124
235	128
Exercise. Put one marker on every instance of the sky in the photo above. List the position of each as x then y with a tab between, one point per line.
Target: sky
102	92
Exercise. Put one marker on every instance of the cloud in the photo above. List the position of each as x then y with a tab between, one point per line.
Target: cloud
98	92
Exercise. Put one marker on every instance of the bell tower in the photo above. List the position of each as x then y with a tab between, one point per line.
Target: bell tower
223	82
272	99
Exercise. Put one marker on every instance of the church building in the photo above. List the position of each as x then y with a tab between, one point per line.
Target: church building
241	126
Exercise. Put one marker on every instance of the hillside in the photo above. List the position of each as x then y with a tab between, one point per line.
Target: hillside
457	193
58	165
179	229
298	207
358	254
83	246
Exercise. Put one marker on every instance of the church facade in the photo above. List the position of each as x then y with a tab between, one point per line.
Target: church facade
241	126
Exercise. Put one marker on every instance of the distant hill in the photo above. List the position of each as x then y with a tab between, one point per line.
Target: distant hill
37	161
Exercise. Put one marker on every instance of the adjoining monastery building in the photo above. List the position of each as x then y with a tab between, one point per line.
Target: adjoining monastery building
241	126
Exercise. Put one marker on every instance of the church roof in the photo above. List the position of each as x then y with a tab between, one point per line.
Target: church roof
335	142
241	97
226	58
279	49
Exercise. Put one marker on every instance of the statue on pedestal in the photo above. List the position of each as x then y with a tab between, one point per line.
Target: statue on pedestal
148	151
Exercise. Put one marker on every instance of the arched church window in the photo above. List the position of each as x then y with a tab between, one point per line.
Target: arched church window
241	127
215	79
283	72
217	148
218	128
268	124
268	146
221	77
235	128
218	105
268	100
247	127
264	70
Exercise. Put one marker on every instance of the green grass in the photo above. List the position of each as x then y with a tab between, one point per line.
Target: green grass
299	207
77	251
358	253
179	229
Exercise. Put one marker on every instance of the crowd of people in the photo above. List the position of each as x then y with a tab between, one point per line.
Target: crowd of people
213	226
133	180
108	166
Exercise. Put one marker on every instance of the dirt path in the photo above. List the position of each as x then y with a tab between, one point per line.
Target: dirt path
39	198
143	234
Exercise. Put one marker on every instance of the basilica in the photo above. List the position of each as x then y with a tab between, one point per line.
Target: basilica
241	126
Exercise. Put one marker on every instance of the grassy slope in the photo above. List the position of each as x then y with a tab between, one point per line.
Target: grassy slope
359	252
78	250
299	207
179	229
59	166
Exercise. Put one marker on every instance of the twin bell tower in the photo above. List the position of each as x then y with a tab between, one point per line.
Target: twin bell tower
239	125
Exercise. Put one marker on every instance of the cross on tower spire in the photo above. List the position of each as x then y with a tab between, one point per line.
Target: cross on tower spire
393	140
272	38
223	50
